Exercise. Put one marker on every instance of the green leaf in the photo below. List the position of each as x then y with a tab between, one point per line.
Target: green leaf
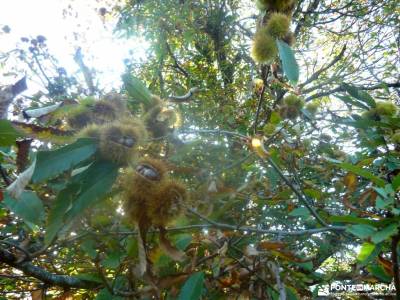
193	287
8	134
359	94
385	233
306	265
382	203
361	231
289	63
85	189
89	247
94	182
299	212
28	207
349	100
57	213
52	163
275	118
313	193
137	90
365	251
183	241
366	256
131	247
360	123
379	273
291	293
188	36
352	220
104	294
396	183
363	173
113	260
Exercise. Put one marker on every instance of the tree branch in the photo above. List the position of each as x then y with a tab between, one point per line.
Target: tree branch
39	273
176	63
19	248
214	131
275	268
323	69
185	97
300	196
360	87
260	100
215	224
87	74
311	8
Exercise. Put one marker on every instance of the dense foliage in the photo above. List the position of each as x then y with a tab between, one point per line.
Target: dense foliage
291	163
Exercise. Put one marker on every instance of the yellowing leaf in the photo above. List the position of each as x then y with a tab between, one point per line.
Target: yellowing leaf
258	147
363	173
272	245
350	181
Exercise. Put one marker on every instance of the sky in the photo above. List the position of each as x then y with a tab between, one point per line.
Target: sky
66	28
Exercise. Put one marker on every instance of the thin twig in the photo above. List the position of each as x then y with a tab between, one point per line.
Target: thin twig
19	277
41	69
176	63
251	271
102	275
216	225
260	100
300	196
311	8
236	163
87	74
263	231
323	69
365	88
275	268
214	131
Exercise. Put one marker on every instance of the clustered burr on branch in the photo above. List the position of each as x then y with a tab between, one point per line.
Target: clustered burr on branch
151	196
